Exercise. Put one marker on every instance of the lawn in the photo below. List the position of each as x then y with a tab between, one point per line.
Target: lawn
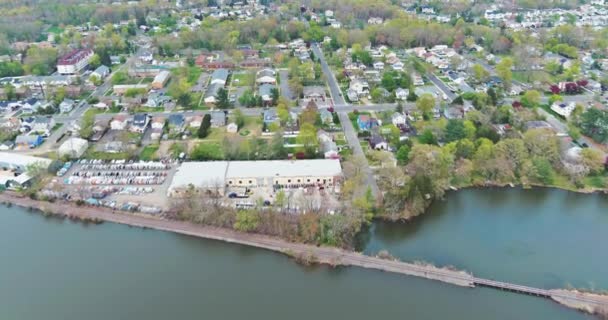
533	76
242	79
149	152
92	154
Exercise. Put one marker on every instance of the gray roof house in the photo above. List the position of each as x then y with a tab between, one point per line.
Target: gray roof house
218	118
176	122
270	116
265	91
219	76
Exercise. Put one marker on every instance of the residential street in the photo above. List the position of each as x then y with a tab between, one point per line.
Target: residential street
355	145
334	88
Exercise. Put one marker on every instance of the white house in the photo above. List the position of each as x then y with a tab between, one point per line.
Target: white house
43	124
66	105
398	66
266	76
119	122
401	94
232	128
379	65
361	87
398	119
564	110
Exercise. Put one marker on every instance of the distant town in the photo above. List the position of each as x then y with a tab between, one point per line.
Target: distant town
235	113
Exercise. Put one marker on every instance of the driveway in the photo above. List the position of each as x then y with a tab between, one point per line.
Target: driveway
284	85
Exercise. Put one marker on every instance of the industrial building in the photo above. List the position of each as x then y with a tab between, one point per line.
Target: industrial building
217	176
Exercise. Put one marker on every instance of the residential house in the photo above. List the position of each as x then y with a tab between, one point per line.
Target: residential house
326	116
314	93
140	123
453	112
32	105
379	65
398	66
398	119
28	141
158	122
99	129
352	95
176	122
401	94
265	91
119	122
101	72
66	105
417	79
232	128
328	146
361	87
377	142
266	76
270	116
219	76
563	109
114	60
196	121
218	119
43	124
211	93
157	100
366	122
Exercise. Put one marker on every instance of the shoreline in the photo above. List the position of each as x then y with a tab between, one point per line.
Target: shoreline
303	253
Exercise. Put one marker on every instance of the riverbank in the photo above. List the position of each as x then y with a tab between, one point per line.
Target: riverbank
313	254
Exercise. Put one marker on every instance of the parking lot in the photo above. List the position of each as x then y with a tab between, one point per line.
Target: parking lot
117	183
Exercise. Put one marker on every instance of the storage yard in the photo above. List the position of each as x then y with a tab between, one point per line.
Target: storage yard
147	186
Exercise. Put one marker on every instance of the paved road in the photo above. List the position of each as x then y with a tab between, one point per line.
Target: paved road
355	145
284	85
334	88
442	86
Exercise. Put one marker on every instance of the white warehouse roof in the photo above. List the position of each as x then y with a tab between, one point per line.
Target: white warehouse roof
73	147
200	174
283	168
215	173
20	161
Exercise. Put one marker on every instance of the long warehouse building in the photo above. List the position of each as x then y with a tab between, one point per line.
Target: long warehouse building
218	175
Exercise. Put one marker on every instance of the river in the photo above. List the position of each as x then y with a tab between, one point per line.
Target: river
55	269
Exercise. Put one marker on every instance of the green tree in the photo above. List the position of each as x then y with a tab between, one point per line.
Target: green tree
594	123
247	221
203	130
95	61
531	99
503	69
425	105
403	154
427	137
239	118
119	77
454	130
222	99
480	73
307	137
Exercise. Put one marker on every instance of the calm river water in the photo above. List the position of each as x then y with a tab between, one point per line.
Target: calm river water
51	269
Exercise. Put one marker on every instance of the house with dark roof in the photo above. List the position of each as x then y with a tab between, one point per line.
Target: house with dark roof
140	123
176	122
